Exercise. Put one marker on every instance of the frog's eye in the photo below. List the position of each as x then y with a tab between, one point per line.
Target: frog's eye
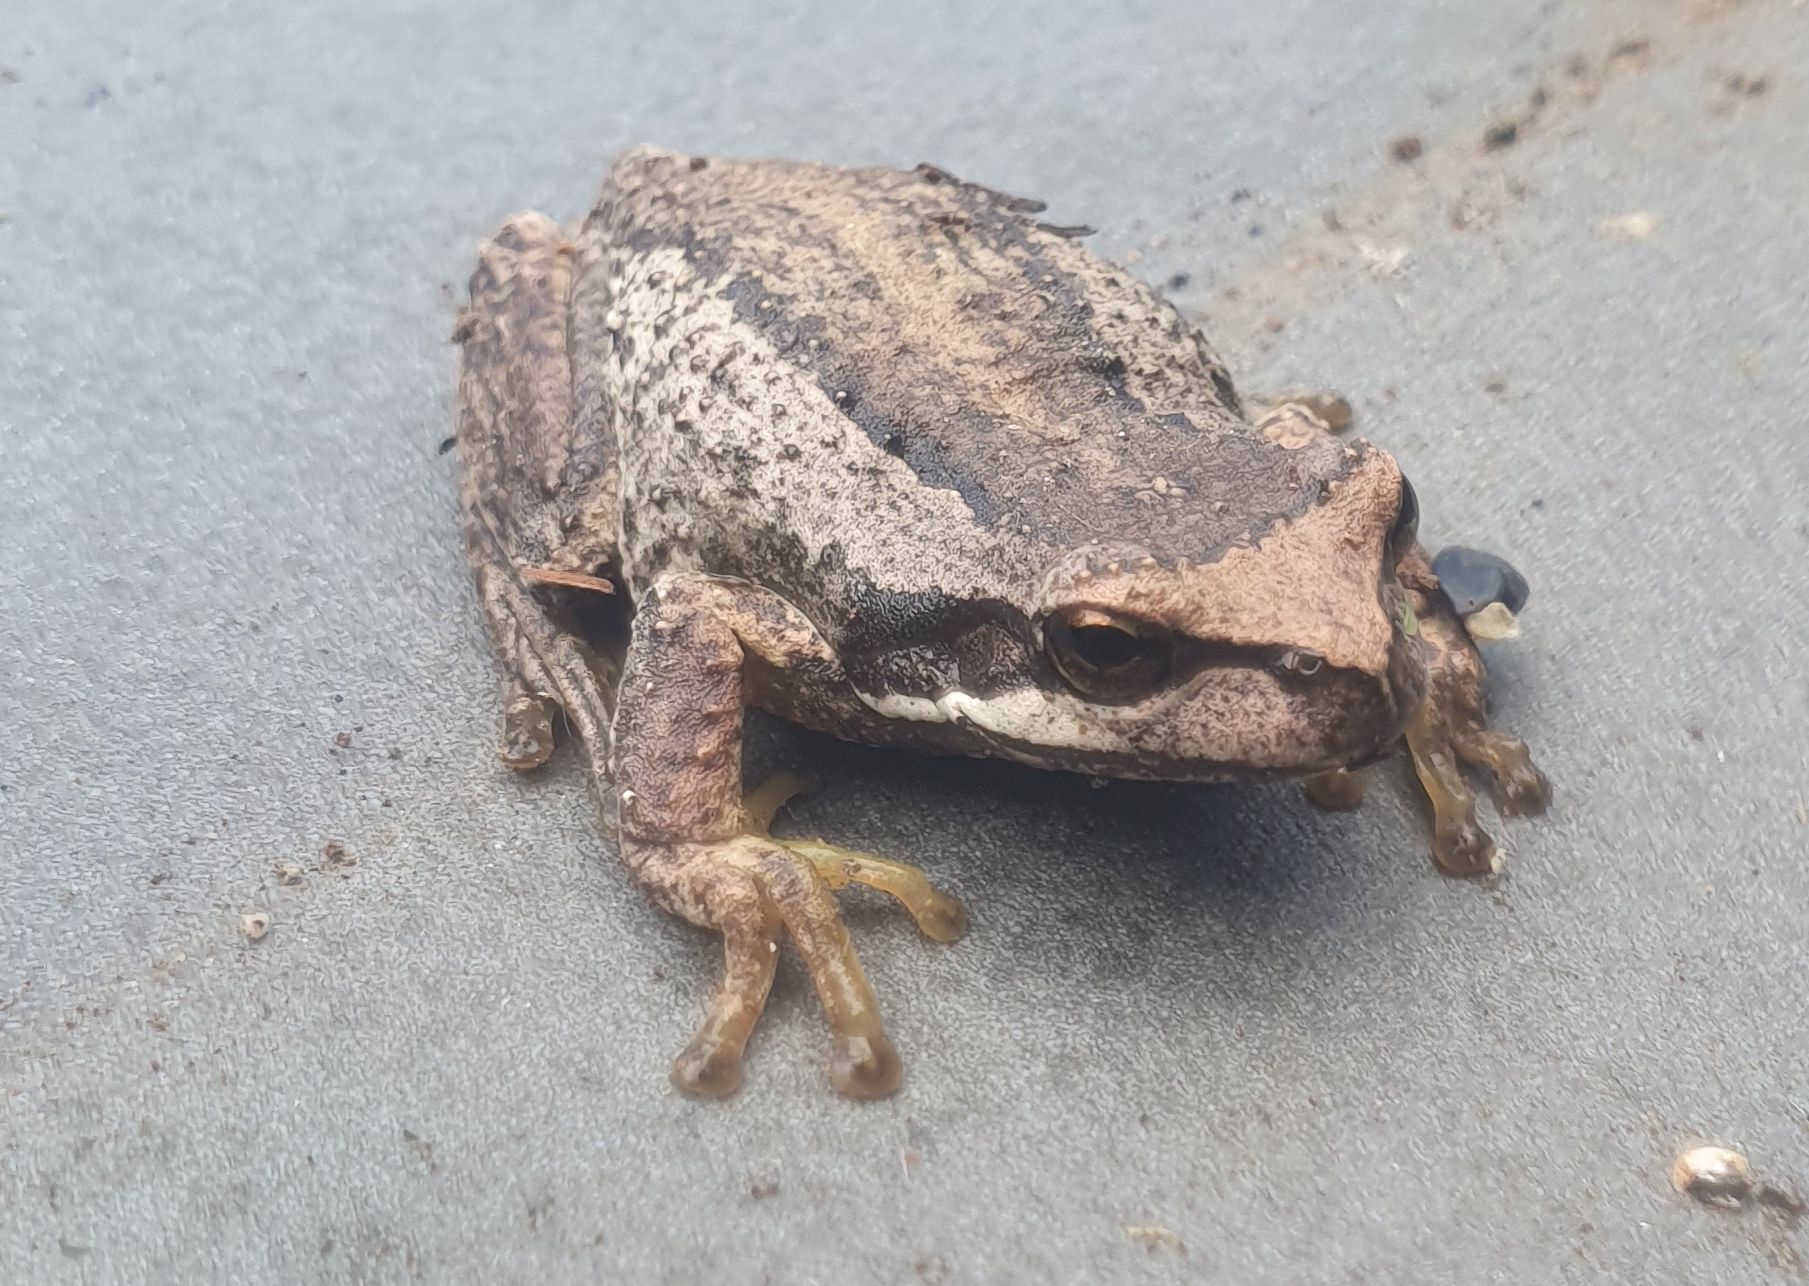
1106	658
1406	527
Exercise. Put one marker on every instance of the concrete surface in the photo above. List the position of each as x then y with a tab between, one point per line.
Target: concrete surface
226	538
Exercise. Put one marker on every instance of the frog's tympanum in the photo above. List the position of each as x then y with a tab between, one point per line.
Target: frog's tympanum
879	452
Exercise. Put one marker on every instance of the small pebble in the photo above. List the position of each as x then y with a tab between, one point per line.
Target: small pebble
255	924
1474	578
1493	622
1714	1176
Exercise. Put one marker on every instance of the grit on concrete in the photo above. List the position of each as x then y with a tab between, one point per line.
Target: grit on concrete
1196	1034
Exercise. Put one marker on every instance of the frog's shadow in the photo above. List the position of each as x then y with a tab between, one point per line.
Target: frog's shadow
1142	870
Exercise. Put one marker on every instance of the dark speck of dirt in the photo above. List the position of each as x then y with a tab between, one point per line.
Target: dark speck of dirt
1179	281
760	1189
1630	48
1256	229
1751	86
1497	387
1242	194
342	739
8	76
98	95
1274	325
1407	148
1501	134
446	444
336	856
159	878
1538	502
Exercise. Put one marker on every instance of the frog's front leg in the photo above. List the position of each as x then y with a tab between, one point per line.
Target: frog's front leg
1450	729
686	837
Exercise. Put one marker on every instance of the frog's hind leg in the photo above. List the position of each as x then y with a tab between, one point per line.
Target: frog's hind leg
521	456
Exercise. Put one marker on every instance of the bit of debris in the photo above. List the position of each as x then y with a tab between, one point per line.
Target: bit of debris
336	856
98	95
760	1189
1750	86
420	1147
1714	1176
1497	387
1501	134
1179	281
1153	1237
1493	622
1407	148
1383	261
343	740
446	444
1469	212
255	924
1630	227
288	873
8	76
1334	409
1723	1178
569	580
1274	325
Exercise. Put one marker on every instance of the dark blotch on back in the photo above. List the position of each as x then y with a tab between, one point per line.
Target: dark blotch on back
995	359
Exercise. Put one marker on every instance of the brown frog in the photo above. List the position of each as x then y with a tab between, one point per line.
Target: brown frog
881	453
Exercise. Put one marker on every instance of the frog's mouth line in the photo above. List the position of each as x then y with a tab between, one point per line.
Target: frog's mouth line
1078	735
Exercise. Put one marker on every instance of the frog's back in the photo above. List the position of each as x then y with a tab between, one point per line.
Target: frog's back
869	364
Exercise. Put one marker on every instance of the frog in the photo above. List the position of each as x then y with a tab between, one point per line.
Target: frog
886	454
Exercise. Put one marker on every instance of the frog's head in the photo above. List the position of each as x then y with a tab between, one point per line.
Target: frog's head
1292	651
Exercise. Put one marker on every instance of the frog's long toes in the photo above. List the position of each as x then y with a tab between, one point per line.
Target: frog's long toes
1464	848
938	916
527	739
708	1068
865	1066
1522	792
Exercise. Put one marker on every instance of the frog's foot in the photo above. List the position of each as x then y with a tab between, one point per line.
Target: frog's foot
527	734
939	917
1451	729
748	888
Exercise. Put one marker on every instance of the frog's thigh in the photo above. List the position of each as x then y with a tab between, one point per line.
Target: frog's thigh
678	767
515	411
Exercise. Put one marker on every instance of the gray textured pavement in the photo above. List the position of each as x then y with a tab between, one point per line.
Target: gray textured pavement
233	240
